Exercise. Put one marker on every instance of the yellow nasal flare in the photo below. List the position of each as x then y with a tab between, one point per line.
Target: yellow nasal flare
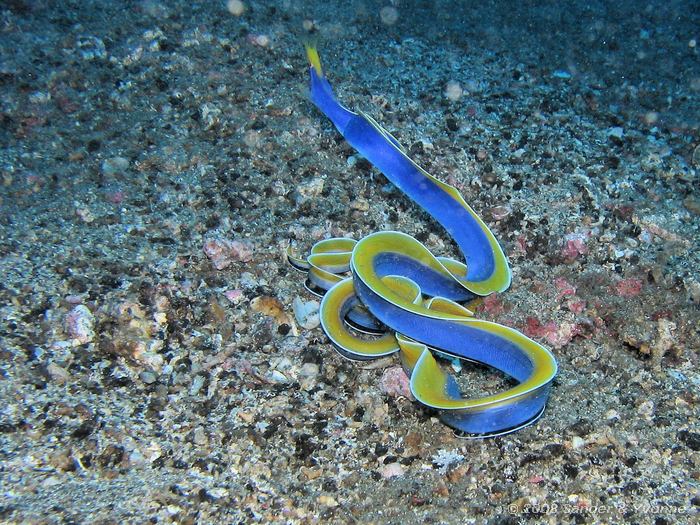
314	60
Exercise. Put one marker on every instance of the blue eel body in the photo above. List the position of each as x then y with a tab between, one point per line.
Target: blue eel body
415	295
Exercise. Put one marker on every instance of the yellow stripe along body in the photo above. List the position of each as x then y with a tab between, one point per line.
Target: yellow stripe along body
392	272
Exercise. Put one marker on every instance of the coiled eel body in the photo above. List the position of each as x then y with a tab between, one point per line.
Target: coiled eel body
398	289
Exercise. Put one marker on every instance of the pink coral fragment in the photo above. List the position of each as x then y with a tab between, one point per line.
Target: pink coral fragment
115	197
556	335
533	327
560	336
520	246
80	324
223	252
492	305
395	383
564	288
234	296
573	248
576	305
628	287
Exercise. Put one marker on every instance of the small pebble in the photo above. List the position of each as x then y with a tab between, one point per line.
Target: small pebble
234	296
646	409
389	15
577	442
248	417
248	280
327	501
80	324
235	7
612	415
200	437
309	190
308	375
148	377
218	493
196	385
309	370
453	91
57	373
52	481
114	166
306	313
616	132
392	470
277	377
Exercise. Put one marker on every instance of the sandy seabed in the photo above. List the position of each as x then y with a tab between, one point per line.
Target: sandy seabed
158	158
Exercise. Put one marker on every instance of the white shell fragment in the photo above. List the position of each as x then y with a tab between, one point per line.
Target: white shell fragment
306	313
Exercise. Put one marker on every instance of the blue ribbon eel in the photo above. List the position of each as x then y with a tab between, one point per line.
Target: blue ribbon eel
391	285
